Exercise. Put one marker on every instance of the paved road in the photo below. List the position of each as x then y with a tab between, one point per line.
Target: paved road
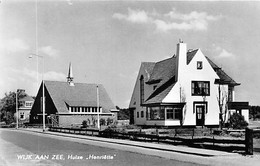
40	150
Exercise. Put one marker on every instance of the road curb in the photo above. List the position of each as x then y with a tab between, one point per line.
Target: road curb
136	144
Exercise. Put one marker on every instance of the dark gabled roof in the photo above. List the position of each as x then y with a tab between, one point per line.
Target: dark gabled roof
160	93
165	69
148	68
81	94
190	55
26	98
213	65
163	73
224	78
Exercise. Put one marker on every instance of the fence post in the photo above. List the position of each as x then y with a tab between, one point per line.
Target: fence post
249	141
157	135
175	135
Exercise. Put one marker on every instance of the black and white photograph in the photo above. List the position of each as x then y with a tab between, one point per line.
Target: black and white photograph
131	83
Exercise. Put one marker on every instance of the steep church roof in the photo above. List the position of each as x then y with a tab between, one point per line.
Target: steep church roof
80	95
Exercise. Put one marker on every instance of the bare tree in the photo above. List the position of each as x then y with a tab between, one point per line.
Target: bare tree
222	103
183	100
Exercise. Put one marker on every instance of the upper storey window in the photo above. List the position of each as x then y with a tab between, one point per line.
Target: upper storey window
200	88
199	65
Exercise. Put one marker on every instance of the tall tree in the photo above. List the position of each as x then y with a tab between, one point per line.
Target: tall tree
8	106
123	113
254	112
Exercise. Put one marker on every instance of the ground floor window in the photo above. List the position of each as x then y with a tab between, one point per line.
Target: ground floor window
85	109
173	113
169	113
163	112
155	113
142	114
21	115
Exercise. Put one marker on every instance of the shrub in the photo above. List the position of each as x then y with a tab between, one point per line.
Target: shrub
109	129
113	126
237	121
132	127
109	121
102	121
121	129
85	124
236	134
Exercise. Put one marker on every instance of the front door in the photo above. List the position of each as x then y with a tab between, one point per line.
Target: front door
200	115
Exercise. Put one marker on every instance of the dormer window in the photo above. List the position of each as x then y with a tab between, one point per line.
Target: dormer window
28	104
199	65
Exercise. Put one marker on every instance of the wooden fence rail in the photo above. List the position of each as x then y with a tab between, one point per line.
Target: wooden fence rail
91	132
247	142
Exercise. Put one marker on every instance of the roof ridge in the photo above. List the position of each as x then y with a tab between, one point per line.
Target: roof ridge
216	66
166	59
193	50
147	62
220	72
160	60
74	82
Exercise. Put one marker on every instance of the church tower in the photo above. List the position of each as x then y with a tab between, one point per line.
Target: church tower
70	76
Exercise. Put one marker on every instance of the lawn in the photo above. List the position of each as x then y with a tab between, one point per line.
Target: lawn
256	145
254	124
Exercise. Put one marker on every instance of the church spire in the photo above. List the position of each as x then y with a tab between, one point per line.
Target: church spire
70	76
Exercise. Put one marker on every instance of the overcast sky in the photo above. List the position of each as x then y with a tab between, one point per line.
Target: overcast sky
107	41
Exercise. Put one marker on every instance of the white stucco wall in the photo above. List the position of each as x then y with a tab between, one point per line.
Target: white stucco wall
135	100
25	112
189	73
245	113
68	120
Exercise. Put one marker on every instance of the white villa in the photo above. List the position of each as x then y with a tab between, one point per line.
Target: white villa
187	89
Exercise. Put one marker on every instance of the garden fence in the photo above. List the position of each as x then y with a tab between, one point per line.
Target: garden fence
229	144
